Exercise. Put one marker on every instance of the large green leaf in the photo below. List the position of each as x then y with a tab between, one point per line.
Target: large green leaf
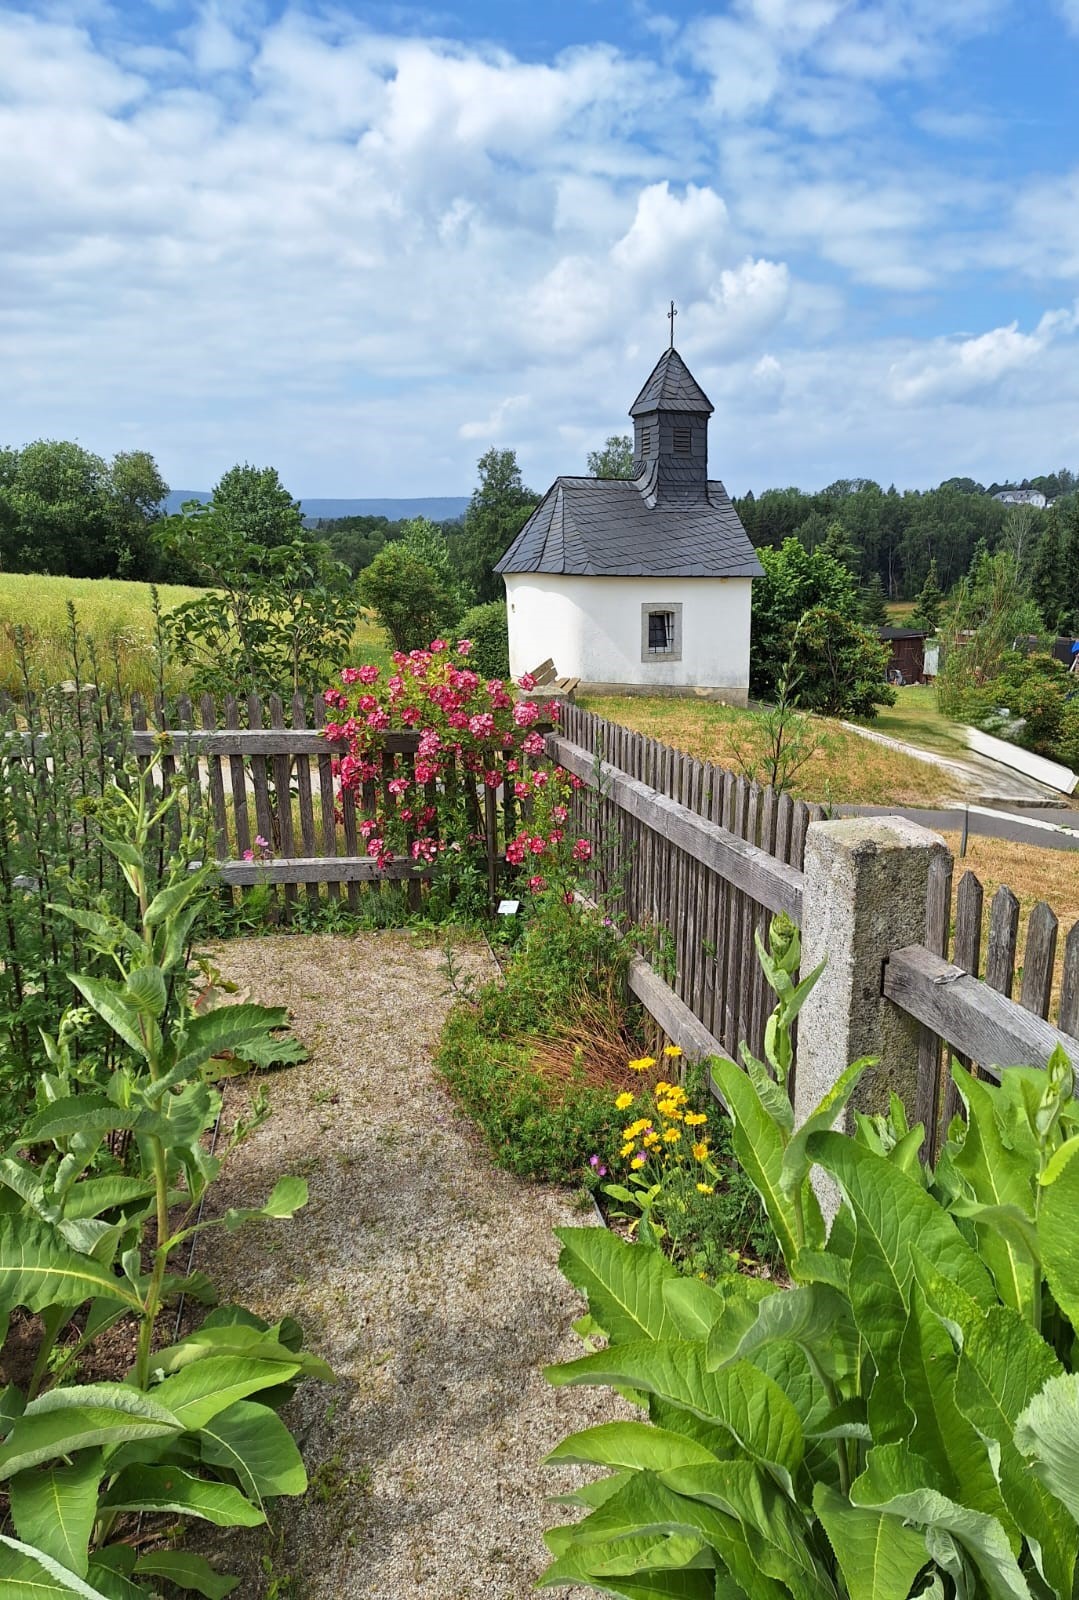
38	1269
252	1442
878	1555
748	1403
1047	1432
54	1508
695	1306
1057	1234
106	1001
1003	1363
187	1571
631	1444
898	1483
777	1527
65	1420
939	1431
146	991
893	1215
594	1571
94	1195
814	1317
153	1488
78	1114
999	1175
241	1339
643	1509
227	1028
30	1574
760	1144
622	1282
199	1391
741	1300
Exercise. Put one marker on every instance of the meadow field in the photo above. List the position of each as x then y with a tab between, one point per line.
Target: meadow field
117	619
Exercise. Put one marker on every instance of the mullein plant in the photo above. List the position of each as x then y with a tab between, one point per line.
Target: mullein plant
88	1237
904	1419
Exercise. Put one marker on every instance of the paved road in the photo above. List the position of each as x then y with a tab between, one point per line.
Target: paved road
1036	826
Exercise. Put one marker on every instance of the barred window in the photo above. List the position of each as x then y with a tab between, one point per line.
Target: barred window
660	631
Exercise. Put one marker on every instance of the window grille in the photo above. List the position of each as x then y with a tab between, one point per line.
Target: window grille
646	441
660	631
683	441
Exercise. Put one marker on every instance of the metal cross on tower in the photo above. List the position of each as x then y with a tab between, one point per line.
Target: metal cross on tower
672	313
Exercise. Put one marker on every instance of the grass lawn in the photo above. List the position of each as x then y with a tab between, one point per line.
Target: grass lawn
916	719
845	768
118	618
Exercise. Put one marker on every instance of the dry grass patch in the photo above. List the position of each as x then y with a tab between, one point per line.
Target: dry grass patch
845	769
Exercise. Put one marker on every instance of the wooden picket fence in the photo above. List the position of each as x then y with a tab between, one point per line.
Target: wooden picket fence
707	858
660	877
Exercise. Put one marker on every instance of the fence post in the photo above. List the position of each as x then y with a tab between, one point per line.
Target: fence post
865	893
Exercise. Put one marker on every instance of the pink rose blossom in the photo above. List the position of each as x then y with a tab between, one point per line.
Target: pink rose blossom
527	681
537	845
481	726
398	786
464	646
532	744
438	645
368	674
525	713
350	674
537	884
582	850
541	778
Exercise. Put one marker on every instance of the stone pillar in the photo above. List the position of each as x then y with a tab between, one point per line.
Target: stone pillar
864	895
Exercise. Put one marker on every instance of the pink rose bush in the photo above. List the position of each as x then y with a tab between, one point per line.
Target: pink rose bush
473	736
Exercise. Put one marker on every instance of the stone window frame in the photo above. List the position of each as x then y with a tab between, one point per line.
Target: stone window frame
673	609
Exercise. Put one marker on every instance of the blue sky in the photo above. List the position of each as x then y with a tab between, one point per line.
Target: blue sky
364	242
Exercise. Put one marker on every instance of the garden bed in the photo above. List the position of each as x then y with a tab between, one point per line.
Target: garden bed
426	1277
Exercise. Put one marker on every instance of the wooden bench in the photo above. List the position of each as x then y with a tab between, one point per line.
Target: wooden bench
548	685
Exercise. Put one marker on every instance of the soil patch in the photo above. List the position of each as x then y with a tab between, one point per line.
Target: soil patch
427	1278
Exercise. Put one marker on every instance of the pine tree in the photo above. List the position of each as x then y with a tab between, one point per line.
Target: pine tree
874	610
926	613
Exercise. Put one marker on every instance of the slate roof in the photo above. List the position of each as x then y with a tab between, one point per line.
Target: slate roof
671	387
613	527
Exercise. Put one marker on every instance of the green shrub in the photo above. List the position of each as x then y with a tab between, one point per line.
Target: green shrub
488	628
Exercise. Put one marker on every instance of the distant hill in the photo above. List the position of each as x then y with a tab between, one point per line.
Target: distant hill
440	508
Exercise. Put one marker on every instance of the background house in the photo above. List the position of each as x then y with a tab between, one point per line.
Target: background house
642	583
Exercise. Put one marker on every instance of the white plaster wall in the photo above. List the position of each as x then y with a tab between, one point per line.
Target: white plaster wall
591	629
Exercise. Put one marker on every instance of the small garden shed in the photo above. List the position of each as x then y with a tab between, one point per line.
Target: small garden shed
906	663
642	583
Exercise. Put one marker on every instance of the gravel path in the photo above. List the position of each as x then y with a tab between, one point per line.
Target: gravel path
426	1277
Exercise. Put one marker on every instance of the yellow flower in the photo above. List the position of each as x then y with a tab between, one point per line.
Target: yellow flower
668	1108
642	1064
623	1101
705	1188
672	1135
695	1119
663	1087
650	1140
672	1050
638	1161
700	1152
626	1150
